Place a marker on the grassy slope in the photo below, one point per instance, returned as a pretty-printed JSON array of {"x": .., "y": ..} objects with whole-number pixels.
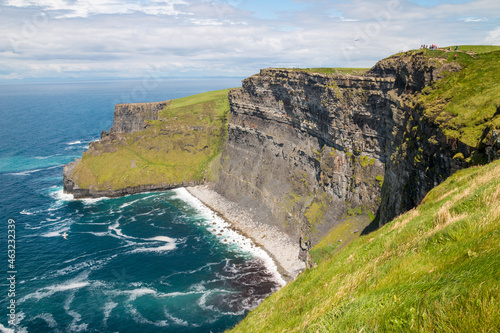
[
  {"x": 332, "y": 70},
  {"x": 464, "y": 103},
  {"x": 433, "y": 269},
  {"x": 178, "y": 147}
]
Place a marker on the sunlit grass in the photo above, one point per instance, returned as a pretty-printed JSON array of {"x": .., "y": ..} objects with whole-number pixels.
[
  {"x": 433, "y": 269},
  {"x": 176, "y": 148},
  {"x": 465, "y": 103}
]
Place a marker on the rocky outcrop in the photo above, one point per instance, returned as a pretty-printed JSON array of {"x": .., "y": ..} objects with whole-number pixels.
[
  {"x": 130, "y": 118},
  {"x": 307, "y": 151}
]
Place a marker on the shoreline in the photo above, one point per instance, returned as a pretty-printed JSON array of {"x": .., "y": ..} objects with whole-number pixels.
[{"x": 273, "y": 241}]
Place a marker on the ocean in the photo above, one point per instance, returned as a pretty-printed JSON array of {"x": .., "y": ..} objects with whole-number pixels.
[{"x": 150, "y": 262}]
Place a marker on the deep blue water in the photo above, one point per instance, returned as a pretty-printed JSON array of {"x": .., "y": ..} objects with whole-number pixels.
[{"x": 151, "y": 262}]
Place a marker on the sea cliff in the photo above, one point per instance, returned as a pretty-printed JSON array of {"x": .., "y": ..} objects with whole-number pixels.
[{"x": 306, "y": 151}]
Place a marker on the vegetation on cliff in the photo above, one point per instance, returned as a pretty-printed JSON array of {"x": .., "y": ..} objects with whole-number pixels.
[
  {"x": 433, "y": 269},
  {"x": 175, "y": 148},
  {"x": 467, "y": 102}
]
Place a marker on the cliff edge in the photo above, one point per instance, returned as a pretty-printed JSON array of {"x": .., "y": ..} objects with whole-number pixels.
[{"x": 309, "y": 151}]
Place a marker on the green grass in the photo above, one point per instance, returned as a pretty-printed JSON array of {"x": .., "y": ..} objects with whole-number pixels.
[
  {"x": 177, "y": 147},
  {"x": 333, "y": 70},
  {"x": 464, "y": 103},
  {"x": 434, "y": 269},
  {"x": 476, "y": 48}
]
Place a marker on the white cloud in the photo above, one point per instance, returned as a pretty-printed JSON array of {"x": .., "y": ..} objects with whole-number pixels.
[
  {"x": 474, "y": 19},
  {"x": 123, "y": 38},
  {"x": 85, "y": 8}
]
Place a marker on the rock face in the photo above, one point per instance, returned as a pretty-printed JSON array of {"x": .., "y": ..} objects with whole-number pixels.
[
  {"x": 306, "y": 151},
  {"x": 129, "y": 118}
]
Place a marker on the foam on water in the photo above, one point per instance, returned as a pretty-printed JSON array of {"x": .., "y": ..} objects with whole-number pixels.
[
  {"x": 224, "y": 232},
  {"x": 108, "y": 307},
  {"x": 133, "y": 294},
  {"x": 48, "y": 318},
  {"x": 51, "y": 290}
]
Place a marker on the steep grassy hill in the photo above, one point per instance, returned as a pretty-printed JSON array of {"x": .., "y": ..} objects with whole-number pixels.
[
  {"x": 433, "y": 269},
  {"x": 175, "y": 148}
]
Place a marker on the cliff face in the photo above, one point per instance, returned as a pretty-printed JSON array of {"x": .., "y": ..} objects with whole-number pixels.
[
  {"x": 129, "y": 118},
  {"x": 308, "y": 151}
]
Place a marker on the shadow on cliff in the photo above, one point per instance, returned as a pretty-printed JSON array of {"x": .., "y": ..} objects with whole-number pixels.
[{"x": 374, "y": 225}]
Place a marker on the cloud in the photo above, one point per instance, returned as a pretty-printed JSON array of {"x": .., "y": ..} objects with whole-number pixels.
[
  {"x": 111, "y": 38},
  {"x": 474, "y": 19}
]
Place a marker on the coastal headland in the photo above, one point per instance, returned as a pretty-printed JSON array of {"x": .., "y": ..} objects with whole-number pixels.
[
  {"x": 306, "y": 151},
  {"x": 366, "y": 181}
]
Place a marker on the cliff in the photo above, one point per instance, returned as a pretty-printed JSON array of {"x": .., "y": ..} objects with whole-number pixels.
[
  {"x": 130, "y": 118},
  {"x": 151, "y": 147},
  {"x": 307, "y": 151},
  {"x": 432, "y": 269}
]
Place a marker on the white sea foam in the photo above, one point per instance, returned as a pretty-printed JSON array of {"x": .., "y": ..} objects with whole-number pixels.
[
  {"x": 138, "y": 318},
  {"x": 55, "y": 233},
  {"x": 45, "y": 157},
  {"x": 226, "y": 235},
  {"x": 91, "y": 201},
  {"x": 51, "y": 290},
  {"x": 4, "y": 329},
  {"x": 108, "y": 307},
  {"x": 118, "y": 231},
  {"x": 74, "y": 143},
  {"x": 131, "y": 202},
  {"x": 170, "y": 245},
  {"x": 29, "y": 172},
  {"x": 162, "y": 239},
  {"x": 133, "y": 294},
  {"x": 177, "y": 321},
  {"x": 57, "y": 193}
]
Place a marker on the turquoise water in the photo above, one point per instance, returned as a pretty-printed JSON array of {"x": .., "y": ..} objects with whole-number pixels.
[{"x": 151, "y": 262}]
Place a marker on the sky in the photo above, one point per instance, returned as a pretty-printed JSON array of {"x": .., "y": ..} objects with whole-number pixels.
[{"x": 102, "y": 39}]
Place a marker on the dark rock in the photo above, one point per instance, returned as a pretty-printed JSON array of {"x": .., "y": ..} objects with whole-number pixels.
[{"x": 129, "y": 118}]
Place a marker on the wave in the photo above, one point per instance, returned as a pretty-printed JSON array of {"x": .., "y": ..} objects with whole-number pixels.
[
  {"x": 169, "y": 246},
  {"x": 131, "y": 202},
  {"x": 4, "y": 329},
  {"x": 57, "y": 233},
  {"x": 226, "y": 235},
  {"x": 45, "y": 157},
  {"x": 51, "y": 290},
  {"x": 74, "y": 143},
  {"x": 138, "y": 318},
  {"x": 57, "y": 193},
  {"x": 133, "y": 294},
  {"x": 108, "y": 307},
  {"x": 175, "y": 320},
  {"x": 29, "y": 172}
]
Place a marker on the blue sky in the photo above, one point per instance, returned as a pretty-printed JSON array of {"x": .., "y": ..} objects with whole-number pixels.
[{"x": 92, "y": 39}]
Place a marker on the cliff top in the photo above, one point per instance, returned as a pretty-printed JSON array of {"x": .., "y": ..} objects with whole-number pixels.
[
  {"x": 328, "y": 70},
  {"x": 172, "y": 148}
]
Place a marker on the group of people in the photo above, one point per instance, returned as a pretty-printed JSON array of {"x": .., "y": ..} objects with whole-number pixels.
[
  {"x": 430, "y": 47},
  {"x": 434, "y": 47}
]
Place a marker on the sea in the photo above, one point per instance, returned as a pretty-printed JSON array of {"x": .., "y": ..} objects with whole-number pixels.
[{"x": 149, "y": 262}]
